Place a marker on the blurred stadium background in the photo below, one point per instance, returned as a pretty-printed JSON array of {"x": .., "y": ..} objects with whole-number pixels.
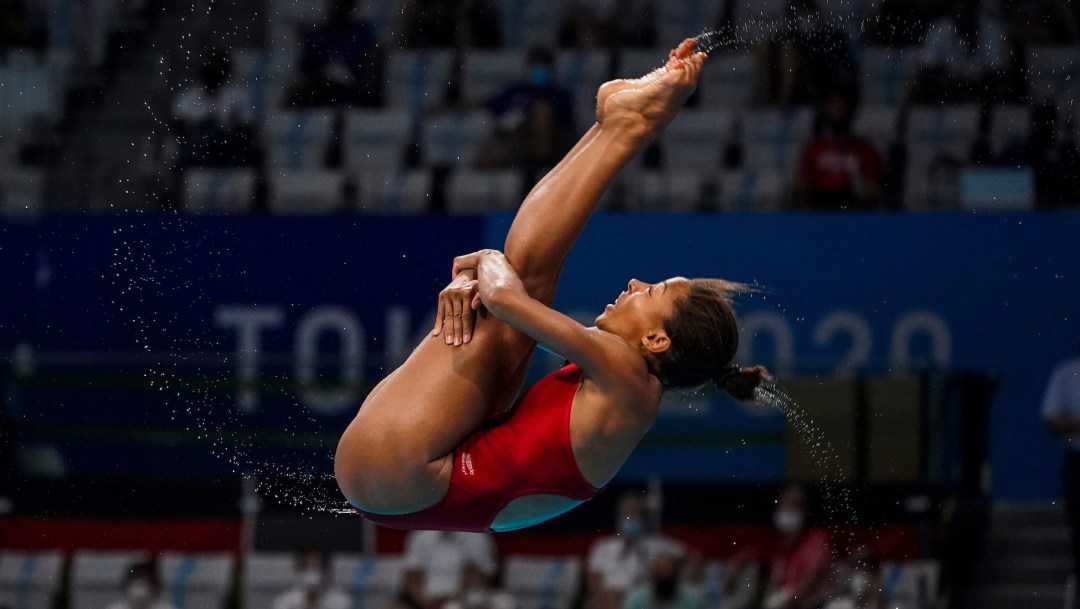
[{"x": 222, "y": 222}]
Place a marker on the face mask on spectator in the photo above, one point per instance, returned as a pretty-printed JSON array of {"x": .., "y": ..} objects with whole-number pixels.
[
  {"x": 311, "y": 579},
  {"x": 139, "y": 591},
  {"x": 629, "y": 527},
  {"x": 540, "y": 75},
  {"x": 788, "y": 520},
  {"x": 860, "y": 585}
]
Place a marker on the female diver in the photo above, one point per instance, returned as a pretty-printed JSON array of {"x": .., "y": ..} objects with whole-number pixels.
[{"x": 441, "y": 442}]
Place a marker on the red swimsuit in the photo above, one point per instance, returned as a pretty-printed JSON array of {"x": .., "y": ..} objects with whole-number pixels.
[{"x": 526, "y": 454}]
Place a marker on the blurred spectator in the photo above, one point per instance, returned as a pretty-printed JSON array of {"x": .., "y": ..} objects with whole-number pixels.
[
  {"x": 861, "y": 589},
  {"x": 815, "y": 58},
  {"x": 439, "y": 564},
  {"x": 142, "y": 589},
  {"x": 619, "y": 563},
  {"x": 451, "y": 23},
  {"x": 837, "y": 169},
  {"x": 1061, "y": 412},
  {"x": 533, "y": 118},
  {"x": 214, "y": 119},
  {"x": 1056, "y": 163},
  {"x": 311, "y": 590},
  {"x": 666, "y": 588},
  {"x": 798, "y": 559},
  {"x": 478, "y": 592},
  {"x": 964, "y": 58},
  {"x": 339, "y": 63},
  {"x": 1042, "y": 21},
  {"x": 608, "y": 23}
]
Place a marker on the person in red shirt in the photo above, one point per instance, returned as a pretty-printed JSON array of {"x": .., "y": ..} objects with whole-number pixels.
[
  {"x": 837, "y": 169},
  {"x": 798, "y": 558}
]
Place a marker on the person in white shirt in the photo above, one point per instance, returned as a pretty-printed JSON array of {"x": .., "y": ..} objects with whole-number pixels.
[
  {"x": 439, "y": 563},
  {"x": 311, "y": 589},
  {"x": 619, "y": 563},
  {"x": 1061, "y": 413},
  {"x": 142, "y": 589}
]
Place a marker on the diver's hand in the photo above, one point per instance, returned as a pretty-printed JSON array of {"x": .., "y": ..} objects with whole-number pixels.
[
  {"x": 499, "y": 282},
  {"x": 456, "y": 317}
]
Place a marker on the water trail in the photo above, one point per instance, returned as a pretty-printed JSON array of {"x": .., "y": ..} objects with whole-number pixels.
[{"x": 838, "y": 500}]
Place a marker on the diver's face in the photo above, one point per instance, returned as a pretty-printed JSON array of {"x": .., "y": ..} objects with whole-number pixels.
[{"x": 642, "y": 308}]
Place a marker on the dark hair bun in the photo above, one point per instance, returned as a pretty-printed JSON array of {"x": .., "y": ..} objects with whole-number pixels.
[{"x": 741, "y": 383}]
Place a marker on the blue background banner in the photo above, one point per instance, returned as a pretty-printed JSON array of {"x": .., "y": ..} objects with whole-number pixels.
[{"x": 142, "y": 326}]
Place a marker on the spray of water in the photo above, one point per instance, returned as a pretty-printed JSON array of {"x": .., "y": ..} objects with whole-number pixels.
[{"x": 838, "y": 499}]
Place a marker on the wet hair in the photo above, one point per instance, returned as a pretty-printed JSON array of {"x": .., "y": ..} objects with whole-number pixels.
[{"x": 704, "y": 338}]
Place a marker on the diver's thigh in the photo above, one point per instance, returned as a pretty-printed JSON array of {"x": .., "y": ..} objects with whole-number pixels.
[{"x": 424, "y": 410}]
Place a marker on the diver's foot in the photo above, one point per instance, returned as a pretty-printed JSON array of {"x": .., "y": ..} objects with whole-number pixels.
[{"x": 654, "y": 99}]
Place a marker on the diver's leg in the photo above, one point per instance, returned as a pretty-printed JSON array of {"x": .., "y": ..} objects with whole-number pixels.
[{"x": 555, "y": 211}]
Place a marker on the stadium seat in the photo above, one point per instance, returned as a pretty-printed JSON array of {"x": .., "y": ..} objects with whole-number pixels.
[
  {"x": 297, "y": 140},
  {"x": 26, "y": 95},
  {"x": 30, "y": 580},
  {"x": 947, "y": 129},
  {"x": 313, "y": 191},
  {"x": 675, "y": 190},
  {"x": 696, "y": 139},
  {"x": 266, "y": 575},
  {"x": 997, "y": 189},
  {"x": 454, "y": 138},
  {"x": 1009, "y": 126},
  {"x": 397, "y": 192},
  {"x": 417, "y": 80},
  {"x": 218, "y": 190},
  {"x": 1053, "y": 72},
  {"x": 371, "y": 582},
  {"x": 542, "y": 582},
  {"x": 474, "y": 192},
  {"x": 679, "y": 19},
  {"x": 886, "y": 74},
  {"x": 530, "y": 23},
  {"x": 913, "y": 584},
  {"x": 752, "y": 190},
  {"x": 97, "y": 577},
  {"x": 727, "y": 81},
  {"x": 196, "y": 581},
  {"x": 878, "y": 124},
  {"x": 772, "y": 140},
  {"x": 486, "y": 72},
  {"x": 263, "y": 76},
  {"x": 375, "y": 139},
  {"x": 21, "y": 191},
  {"x": 939, "y": 142},
  {"x": 582, "y": 72}
]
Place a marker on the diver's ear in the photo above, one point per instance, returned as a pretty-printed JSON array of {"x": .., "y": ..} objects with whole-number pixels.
[{"x": 656, "y": 341}]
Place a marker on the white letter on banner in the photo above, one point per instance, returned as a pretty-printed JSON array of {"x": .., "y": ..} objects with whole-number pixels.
[
  {"x": 861, "y": 339},
  {"x": 398, "y": 344},
  {"x": 783, "y": 345},
  {"x": 329, "y": 402},
  {"x": 249, "y": 321},
  {"x": 912, "y": 323}
]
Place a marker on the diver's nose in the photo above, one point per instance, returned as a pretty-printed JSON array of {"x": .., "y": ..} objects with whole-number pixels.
[{"x": 631, "y": 286}]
